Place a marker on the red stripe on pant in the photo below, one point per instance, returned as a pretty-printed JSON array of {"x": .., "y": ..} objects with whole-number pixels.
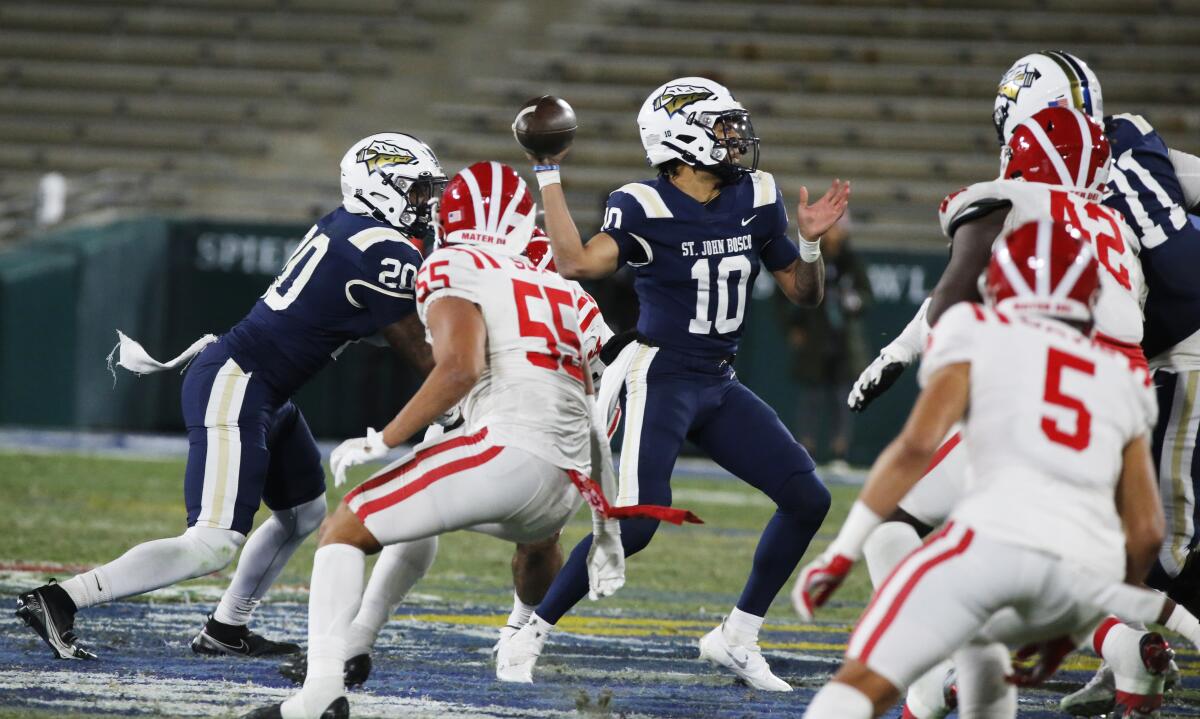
[
  {"x": 419, "y": 457},
  {"x": 942, "y": 451},
  {"x": 433, "y": 475},
  {"x": 907, "y": 589}
]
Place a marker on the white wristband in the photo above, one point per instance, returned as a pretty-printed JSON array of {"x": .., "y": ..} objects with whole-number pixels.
[
  {"x": 546, "y": 178},
  {"x": 858, "y": 526},
  {"x": 809, "y": 251}
]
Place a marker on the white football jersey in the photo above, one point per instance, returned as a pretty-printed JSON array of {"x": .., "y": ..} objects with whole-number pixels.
[
  {"x": 1050, "y": 414},
  {"x": 596, "y": 332},
  {"x": 1122, "y": 288},
  {"x": 531, "y": 394}
]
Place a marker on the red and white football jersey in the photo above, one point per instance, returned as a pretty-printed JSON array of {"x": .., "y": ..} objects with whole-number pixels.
[
  {"x": 1122, "y": 288},
  {"x": 531, "y": 394},
  {"x": 1051, "y": 412},
  {"x": 596, "y": 331}
]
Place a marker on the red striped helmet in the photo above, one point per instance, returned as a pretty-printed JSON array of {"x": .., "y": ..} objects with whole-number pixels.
[
  {"x": 539, "y": 252},
  {"x": 487, "y": 204},
  {"x": 1046, "y": 268},
  {"x": 1058, "y": 146}
]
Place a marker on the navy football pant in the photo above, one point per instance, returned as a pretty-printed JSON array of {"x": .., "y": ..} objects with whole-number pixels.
[
  {"x": 670, "y": 397},
  {"x": 247, "y": 445}
]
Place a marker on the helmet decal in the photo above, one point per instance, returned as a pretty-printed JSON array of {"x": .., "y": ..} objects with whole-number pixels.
[
  {"x": 1017, "y": 79},
  {"x": 674, "y": 98},
  {"x": 1081, "y": 94},
  {"x": 381, "y": 153}
]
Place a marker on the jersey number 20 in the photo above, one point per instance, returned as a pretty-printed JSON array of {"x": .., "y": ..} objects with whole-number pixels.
[{"x": 725, "y": 321}]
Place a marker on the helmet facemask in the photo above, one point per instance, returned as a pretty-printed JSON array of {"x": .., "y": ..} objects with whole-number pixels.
[{"x": 735, "y": 145}]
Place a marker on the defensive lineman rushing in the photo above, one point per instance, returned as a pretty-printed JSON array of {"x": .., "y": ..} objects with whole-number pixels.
[
  {"x": 1061, "y": 509},
  {"x": 506, "y": 343},
  {"x": 400, "y": 566},
  {"x": 351, "y": 278},
  {"x": 696, "y": 237},
  {"x": 1151, "y": 187}
]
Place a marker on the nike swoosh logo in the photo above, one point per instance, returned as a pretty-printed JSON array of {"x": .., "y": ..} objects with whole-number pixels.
[
  {"x": 740, "y": 663},
  {"x": 748, "y": 220}
]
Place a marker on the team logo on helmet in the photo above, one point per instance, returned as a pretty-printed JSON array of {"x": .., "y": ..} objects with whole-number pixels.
[
  {"x": 676, "y": 97},
  {"x": 1017, "y": 79},
  {"x": 381, "y": 153}
]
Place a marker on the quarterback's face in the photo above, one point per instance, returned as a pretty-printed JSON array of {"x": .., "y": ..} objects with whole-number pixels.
[{"x": 735, "y": 135}]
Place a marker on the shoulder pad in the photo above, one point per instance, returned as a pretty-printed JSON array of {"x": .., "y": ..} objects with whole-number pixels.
[
  {"x": 652, "y": 203},
  {"x": 975, "y": 201},
  {"x": 365, "y": 239},
  {"x": 764, "y": 188}
]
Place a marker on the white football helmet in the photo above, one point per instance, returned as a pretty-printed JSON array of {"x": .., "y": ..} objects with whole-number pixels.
[
  {"x": 392, "y": 177},
  {"x": 1045, "y": 79},
  {"x": 697, "y": 121}
]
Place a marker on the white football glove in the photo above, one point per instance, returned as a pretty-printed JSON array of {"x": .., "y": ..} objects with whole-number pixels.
[
  {"x": 356, "y": 451},
  {"x": 606, "y": 560},
  {"x": 890, "y": 364}
]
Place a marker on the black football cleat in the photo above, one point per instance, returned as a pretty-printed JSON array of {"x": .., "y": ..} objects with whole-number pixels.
[
  {"x": 358, "y": 668},
  {"x": 50, "y": 611},
  {"x": 217, "y": 639},
  {"x": 339, "y": 709}
]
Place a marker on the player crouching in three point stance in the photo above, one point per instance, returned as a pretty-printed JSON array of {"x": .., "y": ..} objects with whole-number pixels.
[
  {"x": 696, "y": 237},
  {"x": 350, "y": 279},
  {"x": 506, "y": 343},
  {"x": 1062, "y": 508}
]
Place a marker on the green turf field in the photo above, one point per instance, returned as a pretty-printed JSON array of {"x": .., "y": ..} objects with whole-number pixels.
[{"x": 87, "y": 510}]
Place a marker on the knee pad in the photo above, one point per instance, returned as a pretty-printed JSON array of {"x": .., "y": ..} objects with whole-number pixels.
[
  {"x": 303, "y": 519},
  {"x": 212, "y": 549},
  {"x": 982, "y": 689},
  {"x": 417, "y": 555},
  {"x": 840, "y": 701},
  {"x": 805, "y": 497},
  {"x": 886, "y": 546}
]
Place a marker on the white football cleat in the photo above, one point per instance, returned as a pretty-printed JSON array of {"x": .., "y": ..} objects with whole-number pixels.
[
  {"x": 506, "y": 633},
  {"x": 516, "y": 654},
  {"x": 746, "y": 661}
]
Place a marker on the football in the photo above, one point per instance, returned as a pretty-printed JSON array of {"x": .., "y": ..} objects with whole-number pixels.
[{"x": 545, "y": 126}]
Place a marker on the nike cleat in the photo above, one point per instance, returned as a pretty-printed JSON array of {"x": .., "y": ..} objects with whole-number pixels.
[
  {"x": 746, "y": 661},
  {"x": 517, "y": 654},
  {"x": 357, "y": 669},
  {"x": 338, "y": 709},
  {"x": 506, "y": 633},
  {"x": 218, "y": 639},
  {"x": 50, "y": 611}
]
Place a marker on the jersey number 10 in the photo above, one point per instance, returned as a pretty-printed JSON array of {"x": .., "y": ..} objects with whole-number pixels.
[{"x": 725, "y": 321}]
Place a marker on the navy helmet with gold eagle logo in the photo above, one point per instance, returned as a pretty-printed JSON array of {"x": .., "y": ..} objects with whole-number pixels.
[
  {"x": 394, "y": 178},
  {"x": 697, "y": 121}
]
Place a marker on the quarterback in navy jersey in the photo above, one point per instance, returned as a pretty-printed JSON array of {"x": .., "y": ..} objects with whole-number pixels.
[
  {"x": 696, "y": 236},
  {"x": 351, "y": 278}
]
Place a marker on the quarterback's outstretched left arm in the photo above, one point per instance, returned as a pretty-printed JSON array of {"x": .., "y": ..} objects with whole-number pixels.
[
  {"x": 803, "y": 281},
  {"x": 942, "y": 403}
]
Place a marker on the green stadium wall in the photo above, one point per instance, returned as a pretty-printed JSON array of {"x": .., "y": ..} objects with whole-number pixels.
[{"x": 167, "y": 282}]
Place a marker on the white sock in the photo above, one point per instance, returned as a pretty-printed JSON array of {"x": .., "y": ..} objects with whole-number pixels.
[
  {"x": 1184, "y": 622},
  {"x": 520, "y": 614},
  {"x": 982, "y": 691},
  {"x": 398, "y": 569},
  {"x": 540, "y": 624},
  {"x": 155, "y": 564},
  {"x": 266, "y": 553},
  {"x": 886, "y": 546},
  {"x": 1120, "y": 645},
  {"x": 334, "y": 595},
  {"x": 742, "y": 628},
  {"x": 840, "y": 701}
]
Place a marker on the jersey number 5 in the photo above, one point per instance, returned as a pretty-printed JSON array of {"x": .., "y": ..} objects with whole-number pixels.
[{"x": 1058, "y": 362}]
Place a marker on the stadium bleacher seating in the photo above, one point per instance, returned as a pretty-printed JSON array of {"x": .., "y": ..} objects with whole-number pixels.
[{"x": 239, "y": 108}]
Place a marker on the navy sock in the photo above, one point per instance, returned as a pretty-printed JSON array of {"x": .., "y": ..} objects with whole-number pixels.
[{"x": 571, "y": 584}]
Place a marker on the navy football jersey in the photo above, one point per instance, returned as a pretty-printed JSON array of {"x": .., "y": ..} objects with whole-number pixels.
[
  {"x": 350, "y": 277},
  {"x": 695, "y": 263},
  {"x": 1146, "y": 190}
]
